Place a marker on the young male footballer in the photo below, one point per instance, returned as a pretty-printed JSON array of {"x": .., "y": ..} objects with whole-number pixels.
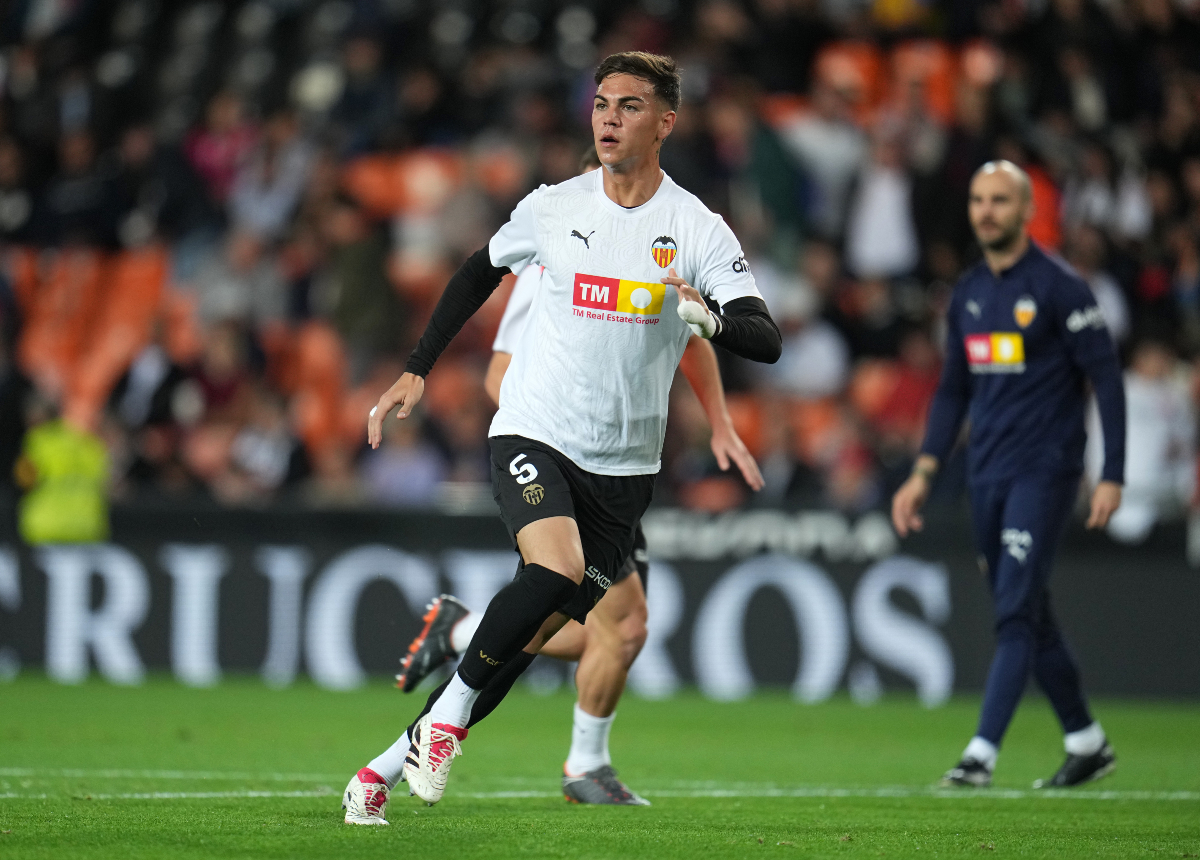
[
  {"x": 577, "y": 439},
  {"x": 1024, "y": 337},
  {"x": 607, "y": 645}
]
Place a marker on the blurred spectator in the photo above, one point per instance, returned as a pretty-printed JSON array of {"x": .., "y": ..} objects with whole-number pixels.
[
  {"x": 1085, "y": 251},
  {"x": 836, "y": 138},
  {"x": 816, "y": 360},
  {"x": 367, "y": 100},
  {"x": 158, "y": 195},
  {"x": 64, "y": 471},
  {"x": 218, "y": 149},
  {"x": 79, "y": 203},
  {"x": 881, "y": 237},
  {"x": 831, "y": 148},
  {"x": 263, "y": 454},
  {"x": 360, "y": 300},
  {"x": 268, "y": 186},
  {"x": 1160, "y": 467},
  {"x": 240, "y": 281},
  {"x": 16, "y": 200},
  {"x": 405, "y": 469}
]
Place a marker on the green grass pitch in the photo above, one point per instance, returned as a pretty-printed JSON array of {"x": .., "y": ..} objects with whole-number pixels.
[{"x": 96, "y": 771}]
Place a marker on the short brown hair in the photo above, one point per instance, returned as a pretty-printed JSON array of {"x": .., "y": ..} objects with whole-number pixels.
[{"x": 658, "y": 70}]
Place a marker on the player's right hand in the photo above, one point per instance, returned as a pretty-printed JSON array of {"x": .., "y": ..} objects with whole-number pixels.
[
  {"x": 406, "y": 394},
  {"x": 906, "y": 504},
  {"x": 728, "y": 447}
]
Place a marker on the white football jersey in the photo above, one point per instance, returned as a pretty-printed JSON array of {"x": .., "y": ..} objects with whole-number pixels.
[
  {"x": 592, "y": 367},
  {"x": 516, "y": 312}
]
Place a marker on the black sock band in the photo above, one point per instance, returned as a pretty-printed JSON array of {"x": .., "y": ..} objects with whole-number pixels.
[
  {"x": 493, "y": 694},
  {"x": 515, "y": 614}
]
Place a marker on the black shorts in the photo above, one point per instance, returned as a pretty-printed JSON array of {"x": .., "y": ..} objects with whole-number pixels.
[
  {"x": 532, "y": 481},
  {"x": 638, "y": 561}
]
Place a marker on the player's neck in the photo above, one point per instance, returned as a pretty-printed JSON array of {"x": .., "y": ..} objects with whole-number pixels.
[
  {"x": 631, "y": 185},
  {"x": 1004, "y": 259}
]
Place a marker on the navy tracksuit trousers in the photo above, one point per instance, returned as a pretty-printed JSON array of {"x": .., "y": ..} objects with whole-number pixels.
[{"x": 1018, "y": 524}]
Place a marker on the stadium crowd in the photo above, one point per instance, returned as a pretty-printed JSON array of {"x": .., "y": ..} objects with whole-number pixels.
[{"x": 224, "y": 225}]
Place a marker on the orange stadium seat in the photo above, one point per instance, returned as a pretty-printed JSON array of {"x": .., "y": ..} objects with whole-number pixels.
[
  {"x": 59, "y": 316},
  {"x": 813, "y": 423},
  {"x": 132, "y": 285},
  {"x": 320, "y": 372},
  {"x": 747, "y": 414},
  {"x": 1045, "y": 227},
  {"x": 22, "y": 267},
  {"x": 871, "y": 385},
  {"x": 387, "y": 184}
]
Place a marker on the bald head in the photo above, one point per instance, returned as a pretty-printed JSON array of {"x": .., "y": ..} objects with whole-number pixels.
[
  {"x": 1006, "y": 168},
  {"x": 1000, "y": 205}
]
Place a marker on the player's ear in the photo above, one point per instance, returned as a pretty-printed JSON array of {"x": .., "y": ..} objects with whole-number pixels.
[{"x": 666, "y": 125}]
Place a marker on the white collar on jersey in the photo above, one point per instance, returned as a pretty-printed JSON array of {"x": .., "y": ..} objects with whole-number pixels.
[{"x": 616, "y": 208}]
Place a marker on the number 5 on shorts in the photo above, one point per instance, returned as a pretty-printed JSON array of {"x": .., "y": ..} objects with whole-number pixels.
[{"x": 525, "y": 473}]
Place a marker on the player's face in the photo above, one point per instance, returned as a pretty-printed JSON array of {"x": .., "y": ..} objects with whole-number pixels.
[
  {"x": 998, "y": 209},
  {"x": 628, "y": 121}
]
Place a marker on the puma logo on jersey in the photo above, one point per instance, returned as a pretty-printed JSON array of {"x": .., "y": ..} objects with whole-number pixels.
[{"x": 577, "y": 235}]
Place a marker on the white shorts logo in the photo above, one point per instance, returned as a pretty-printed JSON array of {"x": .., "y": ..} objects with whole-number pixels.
[
  {"x": 1018, "y": 543},
  {"x": 525, "y": 473},
  {"x": 599, "y": 578}
]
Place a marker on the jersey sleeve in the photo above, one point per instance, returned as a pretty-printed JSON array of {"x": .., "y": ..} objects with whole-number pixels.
[
  {"x": 514, "y": 246},
  {"x": 949, "y": 405},
  {"x": 1081, "y": 326},
  {"x": 516, "y": 312},
  {"x": 722, "y": 273}
]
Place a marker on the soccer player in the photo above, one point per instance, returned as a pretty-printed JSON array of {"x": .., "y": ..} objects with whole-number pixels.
[
  {"x": 616, "y": 629},
  {"x": 1024, "y": 336},
  {"x": 578, "y": 437}
]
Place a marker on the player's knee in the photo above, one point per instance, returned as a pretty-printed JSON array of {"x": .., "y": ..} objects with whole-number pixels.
[
  {"x": 1015, "y": 626},
  {"x": 632, "y": 633}
]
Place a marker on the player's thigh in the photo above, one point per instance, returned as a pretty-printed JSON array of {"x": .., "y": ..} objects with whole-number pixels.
[
  {"x": 1035, "y": 514},
  {"x": 536, "y": 504},
  {"x": 987, "y": 521},
  {"x": 554, "y": 543},
  {"x": 607, "y": 512}
]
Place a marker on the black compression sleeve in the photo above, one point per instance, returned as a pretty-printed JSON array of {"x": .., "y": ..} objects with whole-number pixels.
[
  {"x": 745, "y": 328},
  {"x": 469, "y": 288}
]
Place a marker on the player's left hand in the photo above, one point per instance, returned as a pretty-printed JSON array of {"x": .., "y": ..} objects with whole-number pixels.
[
  {"x": 1106, "y": 498},
  {"x": 405, "y": 393},
  {"x": 692, "y": 309},
  {"x": 727, "y": 446}
]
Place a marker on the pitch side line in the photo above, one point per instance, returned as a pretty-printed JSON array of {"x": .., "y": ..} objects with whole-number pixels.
[
  {"x": 79, "y": 773},
  {"x": 175, "y": 795},
  {"x": 677, "y": 789}
]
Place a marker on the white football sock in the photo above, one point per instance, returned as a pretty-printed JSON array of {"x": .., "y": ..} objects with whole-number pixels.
[
  {"x": 454, "y": 704},
  {"x": 1085, "y": 741},
  {"x": 589, "y": 742},
  {"x": 983, "y": 751},
  {"x": 390, "y": 763},
  {"x": 463, "y": 630}
]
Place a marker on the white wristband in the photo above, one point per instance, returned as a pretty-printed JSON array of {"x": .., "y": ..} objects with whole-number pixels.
[{"x": 698, "y": 317}]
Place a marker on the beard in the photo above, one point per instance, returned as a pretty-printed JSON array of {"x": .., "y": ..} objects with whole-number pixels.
[{"x": 1007, "y": 238}]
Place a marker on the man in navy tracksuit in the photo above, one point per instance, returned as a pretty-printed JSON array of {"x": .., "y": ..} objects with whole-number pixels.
[{"x": 1024, "y": 336}]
